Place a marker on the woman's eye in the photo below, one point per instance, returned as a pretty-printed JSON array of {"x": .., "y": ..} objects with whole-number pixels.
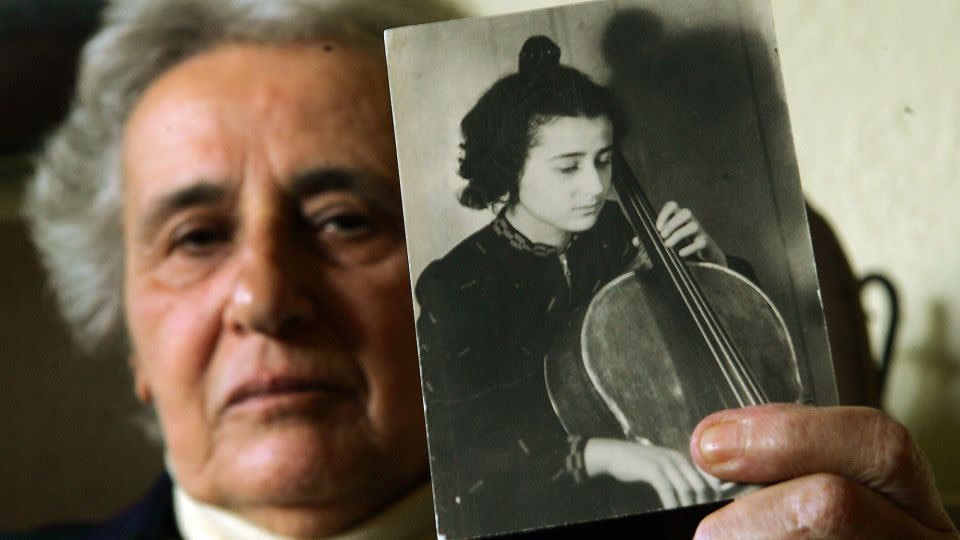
[
  {"x": 350, "y": 225},
  {"x": 570, "y": 169},
  {"x": 200, "y": 241},
  {"x": 604, "y": 160}
]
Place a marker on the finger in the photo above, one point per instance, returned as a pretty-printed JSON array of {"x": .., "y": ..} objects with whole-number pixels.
[
  {"x": 678, "y": 219},
  {"x": 700, "y": 242},
  {"x": 685, "y": 494},
  {"x": 773, "y": 443},
  {"x": 697, "y": 484},
  {"x": 668, "y": 497},
  {"x": 665, "y": 213},
  {"x": 681, "y": 234},
  {"x": 715, "y": 483},
  {"x": 635, "y": 241},
  {"x": 819, "y": 506}
]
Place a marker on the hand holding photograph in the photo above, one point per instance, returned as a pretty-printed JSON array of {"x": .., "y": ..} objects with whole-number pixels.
[{"x": 608, "y": 242}]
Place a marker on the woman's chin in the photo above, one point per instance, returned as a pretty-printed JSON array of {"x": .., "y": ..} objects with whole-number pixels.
[
  {"x": 296, "y": 464},
  {"x": 582, "y": 223}
]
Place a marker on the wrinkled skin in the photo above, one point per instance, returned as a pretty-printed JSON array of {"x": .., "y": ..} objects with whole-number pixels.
[
  {"x": 836, "y": 473},
  {"x": 267, "y": 291}
]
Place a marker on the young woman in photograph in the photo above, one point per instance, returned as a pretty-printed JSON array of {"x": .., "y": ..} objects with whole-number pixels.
[{"x": 538, "y": 149}]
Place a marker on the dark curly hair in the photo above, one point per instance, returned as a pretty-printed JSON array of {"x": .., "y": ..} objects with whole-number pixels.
[{"x": 500, "y": 129}]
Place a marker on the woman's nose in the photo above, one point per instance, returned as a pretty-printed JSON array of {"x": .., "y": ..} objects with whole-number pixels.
[
  {"x": 267, "y": 296},
  {"x": 592, "y": 182}
]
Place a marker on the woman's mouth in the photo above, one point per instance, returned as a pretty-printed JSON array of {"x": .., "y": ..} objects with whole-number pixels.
[
  {"x": 277, "y": 395},
  {"x": 589, "y": 208}
]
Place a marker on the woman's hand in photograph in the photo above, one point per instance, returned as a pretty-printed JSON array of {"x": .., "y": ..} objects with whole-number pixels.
[
  {"x": 680, "y": 229},
  {"x": 670, "y": 473},
  {"x": 831, "y": 472}
]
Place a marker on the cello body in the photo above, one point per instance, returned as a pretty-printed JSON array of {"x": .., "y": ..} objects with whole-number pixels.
[
  {"x": 632, "y": 364},
  {"x": 657, "y": 350}
]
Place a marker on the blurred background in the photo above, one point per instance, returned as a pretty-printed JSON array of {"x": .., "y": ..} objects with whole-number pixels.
[{"x": 873, "y": 89}]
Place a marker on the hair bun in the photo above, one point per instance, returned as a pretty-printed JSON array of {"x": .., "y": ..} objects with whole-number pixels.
[{"x": 539, "y": 54}]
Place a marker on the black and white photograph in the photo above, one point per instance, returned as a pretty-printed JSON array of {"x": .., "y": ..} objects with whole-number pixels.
[{"x": 607, "y": 241}]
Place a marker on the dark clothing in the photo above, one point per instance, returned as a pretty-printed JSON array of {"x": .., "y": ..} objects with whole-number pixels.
[
  {"x": 490, "y": 310},
  {"x": 151, "y": 518}
]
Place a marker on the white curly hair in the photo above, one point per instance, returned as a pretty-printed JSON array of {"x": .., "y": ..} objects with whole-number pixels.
[{"x": 73, "y": 202}]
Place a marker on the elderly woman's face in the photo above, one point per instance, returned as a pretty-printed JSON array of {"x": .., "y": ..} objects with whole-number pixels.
[{"x": 267, "y": 292}]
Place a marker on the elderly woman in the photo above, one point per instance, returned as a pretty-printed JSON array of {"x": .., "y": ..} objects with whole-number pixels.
[{"x": 223, "y": 196}]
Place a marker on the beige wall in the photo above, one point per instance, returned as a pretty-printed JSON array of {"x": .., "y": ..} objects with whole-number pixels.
[
  {"x": 873, "y": 88},
  {"x": 874, "y": 92}
]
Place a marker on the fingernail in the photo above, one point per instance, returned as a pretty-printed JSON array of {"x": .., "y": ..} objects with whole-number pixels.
[{"x": 721, "y": 443}]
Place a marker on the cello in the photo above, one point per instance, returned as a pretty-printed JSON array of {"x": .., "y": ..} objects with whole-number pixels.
[{"x": 658, "y": 349}]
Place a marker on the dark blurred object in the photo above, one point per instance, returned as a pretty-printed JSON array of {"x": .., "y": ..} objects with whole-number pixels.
[
  {"x": 40, "y": 42},
  {"x": 858, "y": 379},
  {"x": 71, "y": 449},
  {"x": 885, "y": 357}
]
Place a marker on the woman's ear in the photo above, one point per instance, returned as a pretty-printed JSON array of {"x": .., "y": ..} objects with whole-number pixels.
[{"x": 140, "y": 386}]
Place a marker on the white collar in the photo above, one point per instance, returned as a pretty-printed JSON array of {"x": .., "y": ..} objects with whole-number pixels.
[{"x": 409, "y": 519}]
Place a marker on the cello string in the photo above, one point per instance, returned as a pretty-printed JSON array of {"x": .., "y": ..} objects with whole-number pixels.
[
  {"x": 713, "y": 333},
  {"x": 743, "y": 373},
  {"x": 697, "y": 312},
  {"x": 682, "y": 284},
  {"x": 646, "y": 226},
  {"x": 731, "y": 353}
]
